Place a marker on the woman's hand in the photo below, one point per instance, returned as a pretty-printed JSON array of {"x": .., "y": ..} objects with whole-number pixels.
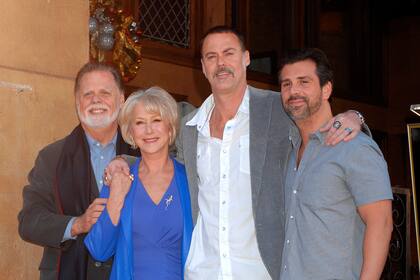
[
  {"x": 119, "y": 187},
  {"x": 120, "y": 184},
  {"x": 118, "y": 164}
]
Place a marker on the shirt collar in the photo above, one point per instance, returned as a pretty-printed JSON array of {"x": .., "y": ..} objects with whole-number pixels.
[
  {"x": 204, "y": 112},
  {"x": 295, "y": 139},
  {"x": 244, "y": 107},
  {"x": 93, "y": 143},
  {"x": 294, "y": 136}
]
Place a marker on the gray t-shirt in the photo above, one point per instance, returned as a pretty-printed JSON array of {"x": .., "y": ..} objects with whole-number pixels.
[{"x": 324, "y": 232}]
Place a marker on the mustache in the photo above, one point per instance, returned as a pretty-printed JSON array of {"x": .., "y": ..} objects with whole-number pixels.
[
  {"x": 297, "y": 97},
  {"x": 97, "y": 107},
  {"x": 223, "y": 69}
]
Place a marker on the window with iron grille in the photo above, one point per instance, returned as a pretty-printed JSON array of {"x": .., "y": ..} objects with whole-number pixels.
[{"x": 166, "y": 21}]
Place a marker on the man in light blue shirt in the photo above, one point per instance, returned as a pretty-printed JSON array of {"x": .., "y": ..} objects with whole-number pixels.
[
  {"x": 338, "y": 198},
  {"x": 100, "y": 156}
]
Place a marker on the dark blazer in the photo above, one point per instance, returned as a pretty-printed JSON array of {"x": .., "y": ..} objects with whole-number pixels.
[
  {"x": 39, "y": 221},
  {"x": 269, "y": 128}
]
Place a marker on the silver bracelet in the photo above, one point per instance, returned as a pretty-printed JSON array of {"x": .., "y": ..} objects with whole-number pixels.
[{"x": 359, "y": 115}]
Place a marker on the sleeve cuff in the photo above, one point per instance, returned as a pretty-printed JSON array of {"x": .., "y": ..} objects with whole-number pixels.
[{"x": 67, "y": 232}]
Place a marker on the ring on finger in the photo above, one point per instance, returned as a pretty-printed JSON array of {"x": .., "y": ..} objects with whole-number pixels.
[
  {"x": 107, "y": 178},
  {"x": 337, "y": 124},
  {"x": 131, "y": 176},
  {"x": 348, "y": 130}
]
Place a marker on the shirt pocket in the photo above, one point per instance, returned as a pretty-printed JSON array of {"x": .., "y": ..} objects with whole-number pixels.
[
  {"x": 244, "y": 164},
  {"x": 324, "y": 187}
]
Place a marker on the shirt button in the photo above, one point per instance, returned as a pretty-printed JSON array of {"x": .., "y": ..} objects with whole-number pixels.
[
  {"x": 101, "y": 182},
  {"x": 287, "y": 241},
  {"x": 294, "y": 169},
  {"x": 224, "y": 176},
  {"x": 102, "y": 157},
  {"x": 223, "y": 228},
  {"x": 285, "y": 267},
  {"x": 224, "y": 255},
  {"x": 291, "y": 217},
  {"x": 224, "y": 151},
  {"x": 294, "y": 191},
  {"x": 97, "y": 144},
  {"x": 228, "y": 127},
  {"x": 223, "y": 202}
]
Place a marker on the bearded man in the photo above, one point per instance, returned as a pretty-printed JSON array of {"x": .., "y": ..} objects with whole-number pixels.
[
  {"x": 60, "y": 203},
  {"x": 338, "y": 198}
]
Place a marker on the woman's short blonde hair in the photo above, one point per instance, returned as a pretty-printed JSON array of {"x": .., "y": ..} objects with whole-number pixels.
[{"x": 154, "y": 100}]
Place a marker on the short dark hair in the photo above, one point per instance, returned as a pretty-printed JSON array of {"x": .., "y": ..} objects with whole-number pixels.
[
  {"x": 101, "y": 67},
  {"x": 223, "y": 29},
  {"x": 323, "y": 67}
]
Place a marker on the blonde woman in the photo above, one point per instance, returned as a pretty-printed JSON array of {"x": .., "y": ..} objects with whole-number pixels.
[{"x": 146, "y": 224}]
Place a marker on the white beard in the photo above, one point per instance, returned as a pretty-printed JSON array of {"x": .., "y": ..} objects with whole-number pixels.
[{"x": 97, "y": 121}]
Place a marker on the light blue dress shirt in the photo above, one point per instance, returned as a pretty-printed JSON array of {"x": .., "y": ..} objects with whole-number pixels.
[
  {"x": 324, "y": 232},
  {"x": 100, "y": 156}
]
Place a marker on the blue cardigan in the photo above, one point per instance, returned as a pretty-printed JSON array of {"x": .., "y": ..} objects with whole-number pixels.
[{"x": 106, "y": 240}]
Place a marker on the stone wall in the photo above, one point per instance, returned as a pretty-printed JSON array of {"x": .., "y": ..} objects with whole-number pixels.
[{"x": 44, "y": 43}]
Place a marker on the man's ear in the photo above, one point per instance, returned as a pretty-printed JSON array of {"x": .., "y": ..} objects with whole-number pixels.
[
  {"x": 327, "y": 90},
  {"x": 247, "y": 58}
]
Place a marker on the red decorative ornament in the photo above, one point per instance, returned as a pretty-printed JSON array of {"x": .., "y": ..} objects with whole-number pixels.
[{"x": 114, "y": 37}]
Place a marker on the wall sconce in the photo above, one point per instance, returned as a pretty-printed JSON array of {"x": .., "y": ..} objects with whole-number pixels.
[{"x": 415, "y": 108}]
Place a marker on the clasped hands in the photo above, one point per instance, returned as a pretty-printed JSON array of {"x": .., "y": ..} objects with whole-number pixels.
[{"x": 119, "y": 183}]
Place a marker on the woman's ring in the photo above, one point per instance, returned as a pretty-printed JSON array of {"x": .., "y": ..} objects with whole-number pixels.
[
  {"x": 337, "y": 124},
  {"x": 107, "y": 178}
]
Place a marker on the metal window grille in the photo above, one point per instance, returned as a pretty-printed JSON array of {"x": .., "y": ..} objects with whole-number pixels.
[{"x": 166, "y": 21}]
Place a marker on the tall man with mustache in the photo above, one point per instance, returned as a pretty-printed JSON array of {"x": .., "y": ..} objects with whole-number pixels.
[{"x": 60, "y": 202}]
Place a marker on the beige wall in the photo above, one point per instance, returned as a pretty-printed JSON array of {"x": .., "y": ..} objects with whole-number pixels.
[{"x": 44, "y": 42}]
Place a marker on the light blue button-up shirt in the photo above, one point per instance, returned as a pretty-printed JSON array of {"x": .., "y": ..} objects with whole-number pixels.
[
  {"x": 324, "y": 232},
  {"x": 100, "y": 156}
]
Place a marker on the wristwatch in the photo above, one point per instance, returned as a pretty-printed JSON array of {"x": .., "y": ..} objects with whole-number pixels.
[{"x": 360, "y": 116}]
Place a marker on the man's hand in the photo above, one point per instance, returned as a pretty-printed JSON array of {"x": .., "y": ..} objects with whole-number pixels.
[
  {"x": 343, "y": 127},
  {"x": 118, "y": 164},
  {"x": 83, "y": 223}
]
